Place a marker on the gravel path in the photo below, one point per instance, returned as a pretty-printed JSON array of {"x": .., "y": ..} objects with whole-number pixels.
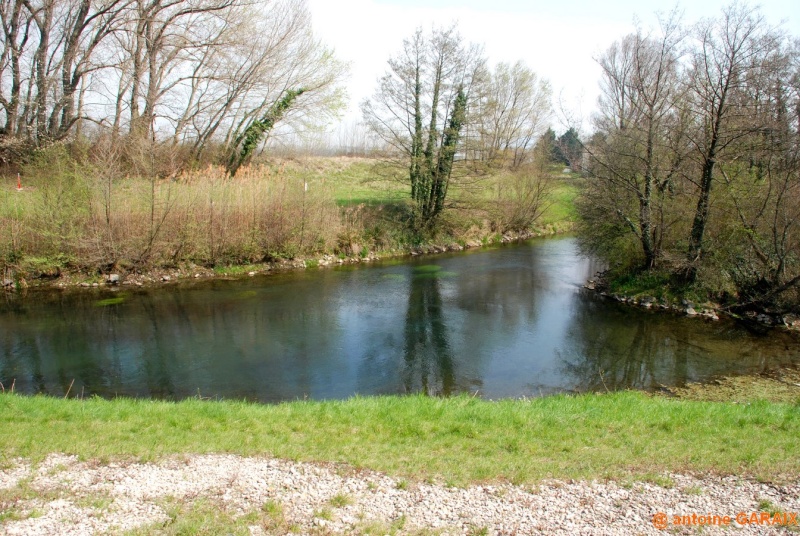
[{"x": 67, "y": 497}]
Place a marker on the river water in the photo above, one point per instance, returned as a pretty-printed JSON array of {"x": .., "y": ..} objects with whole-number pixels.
[{"x": 506, "y": 322}]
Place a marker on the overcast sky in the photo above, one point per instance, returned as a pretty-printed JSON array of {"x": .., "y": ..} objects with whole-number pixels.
[{"x": 558, "y": 39}]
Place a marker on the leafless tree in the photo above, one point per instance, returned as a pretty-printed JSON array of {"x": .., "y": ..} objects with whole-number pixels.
[
  {"x": 642, "y": 145},
  {"x": 761, "y": 185},
  {"x": 189, "y": 71},
  {"x": 702, "y": 152},
  {"x": 421, "y": 109},
  {"x": 49, "y": 50},
  {"x": 725, "y": 61},
  {"x": 513, "y": 113}
]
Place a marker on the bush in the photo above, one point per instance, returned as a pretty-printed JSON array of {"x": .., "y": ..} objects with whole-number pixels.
[{"x": 522, "y": 198}]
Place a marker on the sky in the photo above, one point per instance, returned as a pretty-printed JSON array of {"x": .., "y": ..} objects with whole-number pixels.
[{"x": 557, "y": 39}]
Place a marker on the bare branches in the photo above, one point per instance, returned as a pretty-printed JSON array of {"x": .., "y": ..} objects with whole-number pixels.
[
  {"x": 696, "y": 156},
  {"x": 633, "y": 153},
  {"x": 422, "y": 108},
  {"x": 514, "y": 111},
  {"x": 187, "y": 70}
]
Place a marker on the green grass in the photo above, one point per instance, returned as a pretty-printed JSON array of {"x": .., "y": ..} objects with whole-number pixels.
[
  {"x": 658, "y": 284},
  {"x": 235, "y": 269},
  {"x": 364, "y": 181},
  {"x": 459, "y": 440},
  {"x": 354, "y": 181},
  {"x": 651, "y": 283},
  {"x": 340, "y": 500},
  {"x": 562, "y": 210}
]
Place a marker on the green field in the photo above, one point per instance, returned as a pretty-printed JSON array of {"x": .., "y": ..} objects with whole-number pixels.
[
  {"x": 456, "y": 440},
  {"x": 353, "y": 181},
  {"x": 357, "y": 181}
]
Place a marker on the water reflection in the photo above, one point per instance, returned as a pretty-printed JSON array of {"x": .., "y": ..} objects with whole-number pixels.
[
  {"x": 429, "y": 366},
  {"x": 608, "y": 348},
  {"x": 504, "y": 323}
]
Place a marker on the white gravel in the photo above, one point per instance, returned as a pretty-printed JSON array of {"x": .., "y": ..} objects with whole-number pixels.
[{"x": 67, "y": 497}]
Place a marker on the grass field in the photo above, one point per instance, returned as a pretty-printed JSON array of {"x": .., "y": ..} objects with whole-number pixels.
[
  {"x": 562, "y": 199},
  {"x": 370, "y": 181},
  {"x": 352, "y": 181},
  {"x": 456, "y": 440}
]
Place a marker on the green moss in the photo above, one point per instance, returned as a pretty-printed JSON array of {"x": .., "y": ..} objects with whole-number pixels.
[
  {"x": 235, "y": 269},
  {"x": 110, "y": 301},
  {"x": 426, "y": 269}
]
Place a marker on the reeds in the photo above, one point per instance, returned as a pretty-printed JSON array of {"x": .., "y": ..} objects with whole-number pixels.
[{"x": 88, "y": 218}]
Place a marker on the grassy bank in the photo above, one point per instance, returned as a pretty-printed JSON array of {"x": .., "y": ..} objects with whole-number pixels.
[
  {"x": 456, "y": 440},
  {"x": 81, "y": 219}
]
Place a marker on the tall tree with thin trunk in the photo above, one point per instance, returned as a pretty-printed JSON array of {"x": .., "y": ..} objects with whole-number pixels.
[
  {"x": 725, "y": 58},
  {"x": 641, "y": 149},
  {"x": 420, "y": 110}
]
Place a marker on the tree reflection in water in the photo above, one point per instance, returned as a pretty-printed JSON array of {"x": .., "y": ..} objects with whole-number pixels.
[
  {"x": 428, "y": 363},
  {"x": 503, "y": 323},
  {"x": 614, "y": 347}
]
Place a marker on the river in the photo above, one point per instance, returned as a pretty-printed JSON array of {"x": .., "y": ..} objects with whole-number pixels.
[{"x": 511, "y": 321}]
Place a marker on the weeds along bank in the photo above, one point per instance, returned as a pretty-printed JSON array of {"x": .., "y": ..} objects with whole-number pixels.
[{"x": 73, "y": 216}]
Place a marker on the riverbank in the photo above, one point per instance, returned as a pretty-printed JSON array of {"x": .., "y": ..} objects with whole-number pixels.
[
  {"x": 459, "y": 439},
  {"x": 654, "y": 297},
  {"x": 75, "y": 226},
  {"x": 392, "y": 465},
  {"x": 67, "y": 278}
]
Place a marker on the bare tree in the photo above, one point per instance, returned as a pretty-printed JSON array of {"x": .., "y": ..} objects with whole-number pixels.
[
  {"x": 162, "y": 38},
  {"x": 724, "y": 63},
  {"x": 642, "y": 146},
  {"x": 53, "y": 45},
  {"x": 86, "y": 27},
  {"x": 719, "y": 130},
  {"x": 761, "y": 186},
  {"x": 191, "y": 71},
  {"x": 290, "y": 59},
  {"x": 16, "y": 34},
  {"x": 421, "y": 108},
  {"x": 513, "y": 112}
]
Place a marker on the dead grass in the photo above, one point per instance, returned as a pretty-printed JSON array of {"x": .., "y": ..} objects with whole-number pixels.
[
  {"x": 200, "y": 217},
  {"x": 780, "y": 386},
  {"x": 91, "y": 217}
]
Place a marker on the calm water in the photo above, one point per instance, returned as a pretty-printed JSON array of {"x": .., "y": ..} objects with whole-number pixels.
[{"x": 507, "y": 322}]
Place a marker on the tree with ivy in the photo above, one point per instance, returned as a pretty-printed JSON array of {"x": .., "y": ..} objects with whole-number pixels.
[
  {"x": 420, "y": 110},
  {"x": 245, "y": 144}
]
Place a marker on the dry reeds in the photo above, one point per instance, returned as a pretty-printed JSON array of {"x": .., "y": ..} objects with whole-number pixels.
[{"x": 92, "y": 218}]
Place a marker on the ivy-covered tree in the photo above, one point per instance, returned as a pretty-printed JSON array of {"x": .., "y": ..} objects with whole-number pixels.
[
  {"x": 421, "y": 109},
  {"x": 245, "y": 143}
]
